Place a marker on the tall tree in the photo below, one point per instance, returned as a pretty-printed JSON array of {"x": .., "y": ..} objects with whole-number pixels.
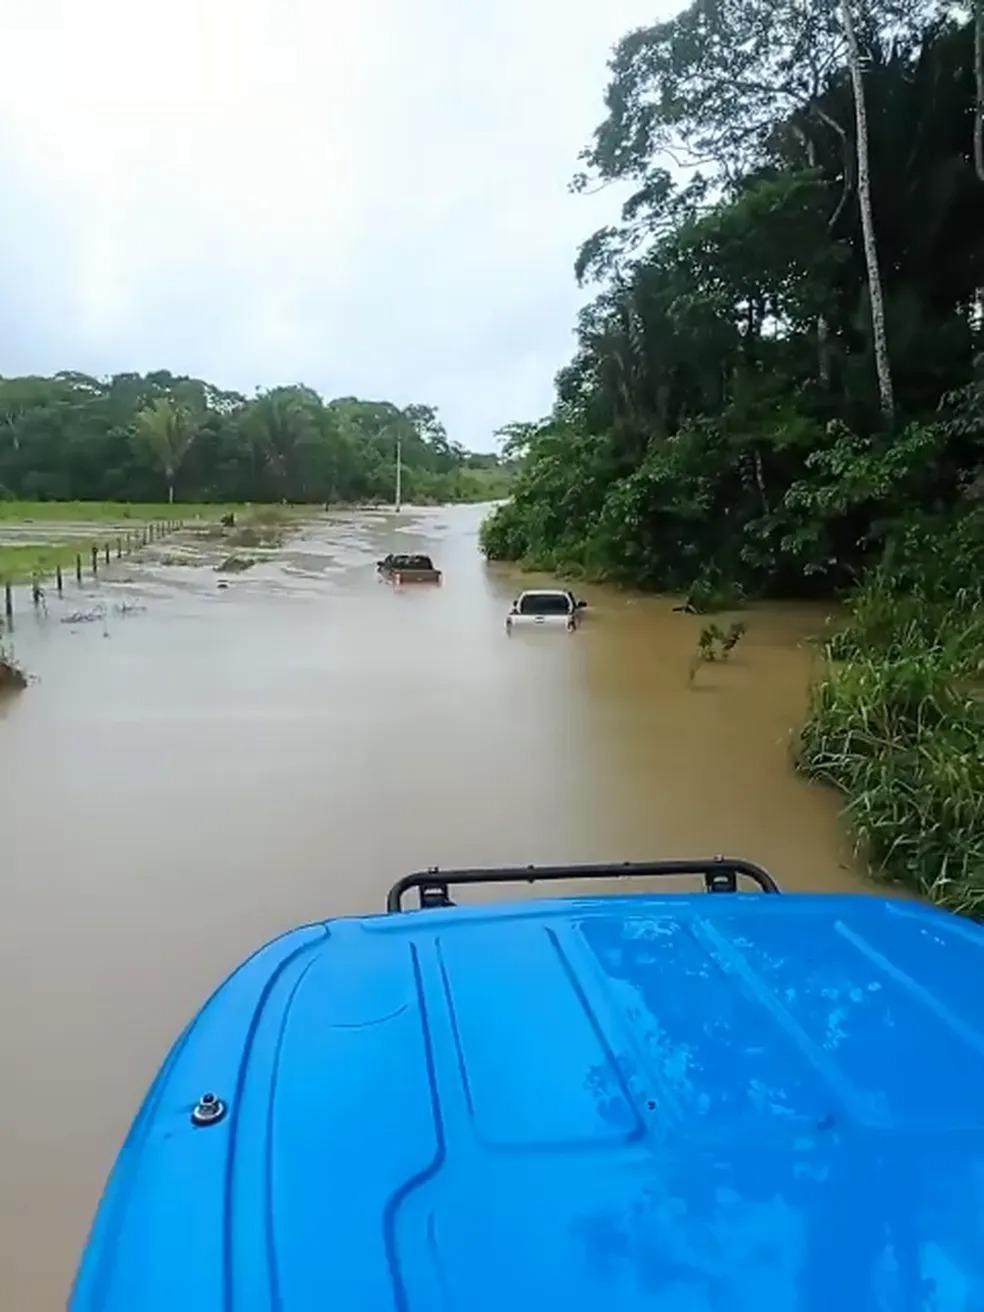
[
  {"x": 878, "y": 335},
  {"x": 167, "y": 430},
  {"x": 979, "y": 88},
  {"x": 718, "y": 85},
  {"x": 278, "y": 422}
]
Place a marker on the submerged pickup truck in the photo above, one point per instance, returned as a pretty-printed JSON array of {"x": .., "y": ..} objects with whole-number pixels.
[
  {"x": 408, "y": 569},
  {"x": 550, "y": 606}
]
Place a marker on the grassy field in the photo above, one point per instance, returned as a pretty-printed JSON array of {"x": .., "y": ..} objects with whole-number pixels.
[
  {"x": 38, "y": 536},
  {"x": 21, "y": 563},
  {"x": 78, "y": 512}
]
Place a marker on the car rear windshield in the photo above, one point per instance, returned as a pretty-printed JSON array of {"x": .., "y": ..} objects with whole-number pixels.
[
  {"x": 545, "y": 603},
  {"x": 411, "y": 562}
]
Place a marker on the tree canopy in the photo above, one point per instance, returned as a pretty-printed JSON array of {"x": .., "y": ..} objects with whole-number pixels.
[
  {"x": 141, "y": 437},
  {"x": 725, "y": 372}
]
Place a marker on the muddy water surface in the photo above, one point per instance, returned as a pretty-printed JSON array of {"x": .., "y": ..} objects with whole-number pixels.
[{"x": 186, "y": 780}]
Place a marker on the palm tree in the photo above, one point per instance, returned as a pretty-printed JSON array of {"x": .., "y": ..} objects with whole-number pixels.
[
  {"x": 167, "y": 430},
  {"x": 878, "y": 334},
  {"x": 278, "y": 421}
]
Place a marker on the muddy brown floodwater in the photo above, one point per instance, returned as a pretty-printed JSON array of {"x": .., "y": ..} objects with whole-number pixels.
[{"x": 186, "y": 780}]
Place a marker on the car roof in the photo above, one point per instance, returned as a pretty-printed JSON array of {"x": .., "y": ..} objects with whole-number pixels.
[
  {"x": 619, "y": 1103},
  {"x": 545, "y": 592}
]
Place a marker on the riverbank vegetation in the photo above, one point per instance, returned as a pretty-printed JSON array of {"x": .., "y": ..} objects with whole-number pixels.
[
  {"x": 144, "y": 438},
  {"x": 779, "y": 386},
  {"x": 897, "y": 718}
]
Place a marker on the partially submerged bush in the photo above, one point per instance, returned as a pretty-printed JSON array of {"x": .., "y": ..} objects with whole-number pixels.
[
  {"x": 716, "y": 644},
  {"x": 260, "y": 536},
  {"x": 268, "y": 514},
  {"x": 235, "y": 565}
]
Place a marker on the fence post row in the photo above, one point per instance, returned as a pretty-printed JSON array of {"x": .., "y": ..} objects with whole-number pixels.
[{"x": 126, "y": 543}]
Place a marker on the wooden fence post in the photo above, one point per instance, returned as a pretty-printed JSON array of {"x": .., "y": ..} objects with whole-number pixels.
[
  {"x": 107, "y": 553},
  {"x": 78, "y": 567},
  {"x": 119, "y": 548},
  {"x": 95, "y": 560},
  {"x": 8, "y": 601},
  {"x": 58, "y": 579}
]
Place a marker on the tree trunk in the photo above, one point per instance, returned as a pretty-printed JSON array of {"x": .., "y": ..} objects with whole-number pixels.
[
  {"x": 170, "y": 488},
  {"x": 879, "y": 339},
  {"x": 750, "y": 331},
  {"x": 979, "y": 85},
  {"x": 823, "y": 349},
  {"x": 760, "y": 478},
  {"x": 823, "y": 327}
]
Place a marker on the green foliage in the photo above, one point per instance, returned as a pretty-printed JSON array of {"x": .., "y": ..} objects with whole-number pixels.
[
  {"x": 72, "y": 437},
  {"x": 555, "y": 502},
  {"x": 710, "y": 592},
  {"x": 717, "y": 644},
  {"x": 167, "y": 429},
  {"x": 719, "y": 431},
  {"x": 720, "y": 419},
  {"x": 897, "y": 720}
]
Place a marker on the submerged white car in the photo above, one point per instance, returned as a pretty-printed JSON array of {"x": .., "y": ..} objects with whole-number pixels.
[{"x": 545, "y": 606}]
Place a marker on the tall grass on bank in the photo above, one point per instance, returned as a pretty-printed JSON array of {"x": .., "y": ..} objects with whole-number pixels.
[{"x": 897, "y": 723}]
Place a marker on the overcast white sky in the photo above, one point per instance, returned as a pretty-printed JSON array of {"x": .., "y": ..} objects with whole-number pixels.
[{"x": 369, "y": 196}]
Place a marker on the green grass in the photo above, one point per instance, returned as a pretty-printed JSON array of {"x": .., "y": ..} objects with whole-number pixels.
[
  {"x": 897, "y": 724},
  {"x": 20, "y": 564},
  {"x": 60, "y": 523},
  {"x": 113, "y": 511}
]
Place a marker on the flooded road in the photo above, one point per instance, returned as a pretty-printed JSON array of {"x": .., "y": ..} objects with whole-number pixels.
[{"x": 187, "y": 780}]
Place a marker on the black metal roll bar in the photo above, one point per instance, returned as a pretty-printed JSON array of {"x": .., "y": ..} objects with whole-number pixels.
[{"x": 721, "y": 875}]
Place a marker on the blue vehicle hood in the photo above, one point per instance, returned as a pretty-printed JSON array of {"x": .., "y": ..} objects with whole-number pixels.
[{"x": 690, "y": 1103}]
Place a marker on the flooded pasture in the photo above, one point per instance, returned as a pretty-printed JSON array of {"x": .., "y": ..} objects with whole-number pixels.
[{"x": 197, "y": 767}]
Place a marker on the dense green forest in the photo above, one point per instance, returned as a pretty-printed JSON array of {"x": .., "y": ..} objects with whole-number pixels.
[
  {"x": 150, "y": 437},
  {"x": 779, "y": 386}
]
